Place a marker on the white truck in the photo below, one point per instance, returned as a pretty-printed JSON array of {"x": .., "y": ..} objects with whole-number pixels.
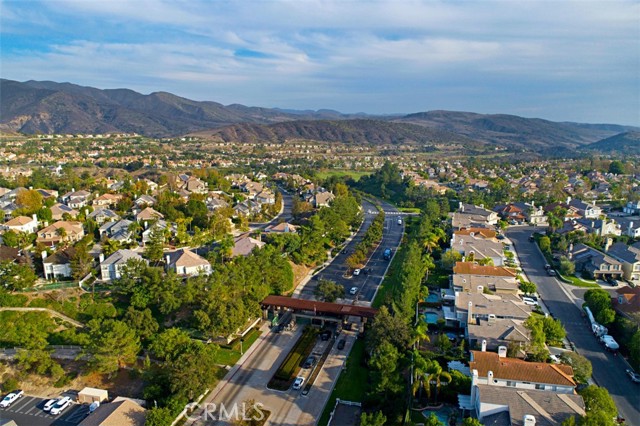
[{"x": 597, "y": 329}]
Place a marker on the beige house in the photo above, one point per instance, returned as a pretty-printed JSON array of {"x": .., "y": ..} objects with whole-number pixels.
[
  {"x": 117, "y": 413},
  {"x": 61, "y": 231},
  {"x": 186, "y": 262},
  {"x": 58, "y": 210},
  {"x": 24, "y": 224}
]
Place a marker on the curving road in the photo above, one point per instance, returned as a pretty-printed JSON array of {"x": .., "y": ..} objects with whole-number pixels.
[{"x": 608, "y": 370}]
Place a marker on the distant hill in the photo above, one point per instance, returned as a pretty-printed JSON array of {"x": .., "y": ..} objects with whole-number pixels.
[
  {"x": 513, "y": 131},
  {"x": 50, "y": 107},
  {"x": 627, "y": 143},
  {"x": 353, "y": 131}
]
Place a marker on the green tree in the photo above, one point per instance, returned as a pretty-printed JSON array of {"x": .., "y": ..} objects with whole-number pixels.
[
  {"x": 634, "y": 347},
  {"x": 570, "y": 421},
  {"x": 617, "y": 167},
  {"x": 470, "y": 421},
  {"x": 528, "y": 287},
  {"x": 329, "y": 291},
  {"x": 553, "y": 329},
  {"x": 16, "y": 276},
  {"x": 450, "y": 258},
  {"x": 598, "y": 400},
  {"x": 433, "y": 420},
  {"x": 373, "y": 419},
  {"x": 10, "y": 238},
  {"x": 388, "y": 328},
  {"x": 436, "y": 377},
  {"x": 159, "y": 416},
  {"x": 113, "y": 345},
  {"x": 599, "y": 302},
  {"x": 142, "y": 322},
  {"x": 384, "y": 363},
  {"x": 567, "y": 267},
  {"x": 29, "y": 201},
  {"x": 582, "y": 369},
  {"x": 545, "y": 244},
  {"x": 81, "y": 262}
]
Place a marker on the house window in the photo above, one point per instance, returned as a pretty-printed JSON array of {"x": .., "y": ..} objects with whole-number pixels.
[
  {"x": 540, "y": 387},
  {"x": 511, "y": 383}
]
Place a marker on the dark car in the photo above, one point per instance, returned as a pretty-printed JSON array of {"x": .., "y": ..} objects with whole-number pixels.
[
  {"x": 612, "y": 282},
  {"x": 531, "y": 238},
  {"x": 326, "y": 335},
  {"x": 341, "y": 344},
  {"x": 309, "y": 362},
  {"x": 635, "y": 377}
]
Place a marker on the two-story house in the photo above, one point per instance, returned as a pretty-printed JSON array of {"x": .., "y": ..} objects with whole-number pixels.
[
  {"x": 117, "y": 230},
  {"x": 59, "y": 210},
  {"x": 58, "y": 265},
  {"x": 103, "y": 214},
  {"x": 60, "y": 232},
  {"x": 187, "y": 263},
  {"x": 111, "y": 267},
  {"x": 585, "y": 210},
  {"x": 107, "y": 200},
  {"x": 475, "y": 247},
  {"x": 522, "y": 213},
  {"x": 632, "y": 208},
  {"x": 597, "y": 264},
  {"x": 76, "y": 199},
  {"x": 470, "y": 216},
  {"x": 629, "y": 256}
]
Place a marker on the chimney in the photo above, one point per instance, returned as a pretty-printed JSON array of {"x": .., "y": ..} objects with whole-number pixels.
[
  {"x": 533, "y": 203},
  {"x": 167, "y": 260},
  {"x": 73, "y": 190},
  {"x": 607, "y": 245},
  {"x": 461, "y": 206},
  {"x": 43, "y": 254},
  {"x": 568, "y": 200},
  {"x": 470, "y": 313},
  {"x": 491, "y": 319},
  {"x": 490, "y": 378},
  {"x": 529, "y": 420},
  {"x": 484, "y": 345},
  {"x": 502, "y": 351},
  {"x": 101, "y": 257},
  {"x": 479, "y": 289},
  {"x": 35, "y": 217}
]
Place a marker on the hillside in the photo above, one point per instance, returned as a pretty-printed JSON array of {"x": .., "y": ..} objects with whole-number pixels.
[
  {"x": 355, "y": 131},
  {"x": 50, "y": 107},
  {"x": 627, "y": 143}
]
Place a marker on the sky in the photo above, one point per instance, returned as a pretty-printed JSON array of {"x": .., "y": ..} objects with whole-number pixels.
[{"x": 558, "y": 60}]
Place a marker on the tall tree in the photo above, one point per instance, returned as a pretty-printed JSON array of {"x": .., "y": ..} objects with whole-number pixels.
[{"x": 113, "y": 345}]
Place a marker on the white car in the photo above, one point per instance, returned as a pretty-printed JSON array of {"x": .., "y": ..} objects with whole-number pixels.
[
  {"x": 298, "y": 383},
  {"x": 353, "y": 291},
  {"x": 555, "y": 359},
  {"x": 356, "y": 272},
  {"x": 61, "y": 405},
  {"x": 50, "y": 403},
  {"x": 529, "y": 301},
  {"x": 11, "y": 398}
]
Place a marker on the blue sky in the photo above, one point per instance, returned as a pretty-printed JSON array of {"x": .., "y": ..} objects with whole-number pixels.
[{"x": 559, "y": 60}]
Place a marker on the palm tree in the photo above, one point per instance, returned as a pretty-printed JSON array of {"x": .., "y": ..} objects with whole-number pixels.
[
  {"x": 419, "y": 333},
  {"x": 435, "y": 376}
]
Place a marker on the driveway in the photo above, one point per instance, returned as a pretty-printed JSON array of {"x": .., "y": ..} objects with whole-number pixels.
[{"x": 608, "y": 370}]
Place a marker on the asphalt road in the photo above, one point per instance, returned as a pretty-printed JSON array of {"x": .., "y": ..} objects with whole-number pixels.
[
  {"x": 608, "y": 370},
  {"x": 376, "y": 267}
]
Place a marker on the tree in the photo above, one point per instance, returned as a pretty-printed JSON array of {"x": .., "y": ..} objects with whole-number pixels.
[
  {"x": 567, "y": 267},
  {"x": 142, "y": 322},
  {"x": 450, "y": 258},
  {"x": 388, "y": 328},
  {"x": 569, "y": 421},
  {"x": 470, "y": 421},
  {"x": 435, "y": 377},
  {"x": 553, "y": 329},
  {"x": 582, "y": 369},
  {"x": 16, "y": 276},
  {"x": 634, "y": 347},
  {"x": 159, "y": 416},
  {"x": 81, "y": 262},
  {"x": 384, "y": 362},
  {"x": 193, "y": 370},
  {"x": 373, "y": 419},
  {"x": 599, "y": 302},
  {"x": 528, "y": 287},
  {"x": 10, "y": 238},
  {"x": 617, "y": 167},
  {"x": 329, "y": 291},
  {"x": 29, "y": 201},
  {"x": 443, "y": 343},
  {"x": 598, "y": 400},
  {"x": 113, "y": 344},
  {"x": 433, "y": 420},
  {"x": 545, "y": 244}
]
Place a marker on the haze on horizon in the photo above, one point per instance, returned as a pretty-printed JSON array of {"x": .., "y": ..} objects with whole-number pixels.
[{"x": 558, "y": 60}]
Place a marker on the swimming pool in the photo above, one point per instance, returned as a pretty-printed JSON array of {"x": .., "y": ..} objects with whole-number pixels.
[
  {"x": 442, "y": 414},
  {"x": 431, "y": 317},
  {"x": 432, "y": 298}
]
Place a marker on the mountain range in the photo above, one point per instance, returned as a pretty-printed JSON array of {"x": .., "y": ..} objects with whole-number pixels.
[{"x": 48, "y": 107}]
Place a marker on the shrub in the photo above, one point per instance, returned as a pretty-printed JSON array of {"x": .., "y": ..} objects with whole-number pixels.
[{"x": 10, "y": 384}]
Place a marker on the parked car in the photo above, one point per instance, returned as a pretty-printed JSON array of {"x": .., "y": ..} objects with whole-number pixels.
[
  {"x": 399, "y": 221},
  {"x": 298, "y": 383},
  {"x": 635, "y": 377},
  {"x": 531, "y": 238},
  {"x": 309, "y": 362},
  {"x": 326, "y": 335},
  {"x": 529, "y": 301},
  {"x": 551, "y": 272},
  {"x": 341, "y": 344},
  {"x": 60, "y": 406},
  {"x": 353, "y": 290},
  {"x": 50, "y": 403},
  {"x": 612, "y": 282},
  {"x": 11, "y": 398},
  {"x": 555, "y": 359},
  {"x": 356, "y": 272}
]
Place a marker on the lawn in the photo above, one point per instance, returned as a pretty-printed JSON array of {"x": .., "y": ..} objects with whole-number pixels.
[
  {"x": 352, "y": 383},
  {"x": 231, "y": 355},
  {"x": 573, "y": 280},
  {"x": 391, "y": 281},
  {"x": 289, "y": 368},
  {"x": 353, "y": 174}
]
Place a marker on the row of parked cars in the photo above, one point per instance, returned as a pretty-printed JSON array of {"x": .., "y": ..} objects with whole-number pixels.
[{"x": 53, "y": 406}]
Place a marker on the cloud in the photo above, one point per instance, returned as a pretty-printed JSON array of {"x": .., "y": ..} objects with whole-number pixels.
[{"x": 569, "y": 60}]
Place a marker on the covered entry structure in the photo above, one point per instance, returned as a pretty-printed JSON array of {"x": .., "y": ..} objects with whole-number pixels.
[{"x": 312, "y": 309}]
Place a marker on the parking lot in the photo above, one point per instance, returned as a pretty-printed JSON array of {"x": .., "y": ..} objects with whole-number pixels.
[{"x": 27, "y": 411}]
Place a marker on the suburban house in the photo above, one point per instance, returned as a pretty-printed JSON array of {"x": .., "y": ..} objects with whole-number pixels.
[
  {"x": 629, "y": 225},
  {"x": 627, "y": 302},
  {"x": 473, "y": 232},
  {"x": 102, "y": 215},
  {"x": 111, "y": 267},
  {"x": 632, "y": 208},
  {"x": 58, "y": 265},
  {"x": 58, "y": 210},
  {"x": 144, "y": 201},
  {"x": 118, "y": 231},
  {"x": 162, "y": 224},
  {"x": 10, "y": 254},
  {"x": 60, "y": 231},
  {"x": 117, "y": 413},
  {"x": 497, "y": 370},
  {"x": 323, "y": 199},
  {"x": 7, "y": 208},
  {"x": 585, "y": 210},
  {"x": 25, "y": 224},
  {"x": 475, "y": 247},
  {"x": 186, "y": 262},
  {"x": 594, "y": 262},
  {"x": 471, "y": 216},
  {"x": 107, "y": 200},
  {"x": 493, "y": 333},
  {"x": 48, "y": 193},
  {"x": 76, "y": 199},
  {"x": 149, "y": 215},
  {"x": 629, "y": 256},
  {"x": 266, "y": 196},
  {"x": 214, "y": 203},
  {"x": 471, "y": 307},
  {"x": 522, "y": 213},
  {"x": 244, "y": 245},
  {"x": 502, "y": 406},
  {"x": 280, "y": 228},
  {"x": 601, "y": 227},
  {"x": 468, "y": 283}
]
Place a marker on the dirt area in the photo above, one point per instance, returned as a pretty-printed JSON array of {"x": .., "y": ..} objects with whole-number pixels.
[
  {"x": 299, "y": 272},
  {"x": 124, "y": 383}
]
